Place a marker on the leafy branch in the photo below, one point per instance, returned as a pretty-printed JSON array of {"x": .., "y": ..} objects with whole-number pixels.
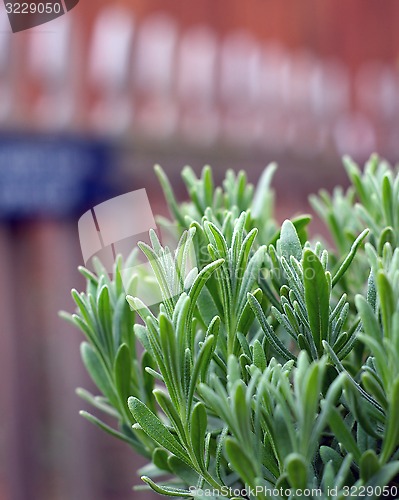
[{"x": 270, "y": 361}]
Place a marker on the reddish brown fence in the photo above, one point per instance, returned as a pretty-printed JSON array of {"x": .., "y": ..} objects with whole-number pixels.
[{"x": 233, "y": 83}]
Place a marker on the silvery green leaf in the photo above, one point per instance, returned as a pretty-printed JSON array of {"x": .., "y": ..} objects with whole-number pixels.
[{"x": 156, "y": 430}]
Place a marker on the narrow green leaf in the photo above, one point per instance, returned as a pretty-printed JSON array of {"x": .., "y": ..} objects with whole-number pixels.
[
  {"x": 160, "y": 459},
  {"x": 169, "y": 350},
  {"x": 183, "y": 471},
  {"x": 317, "y": 297},
  {"x": 207, "y": 306},
  {"x": 383, "y": 477},
  {"x": 374, "y": 388},
  {"x": 200, "y": 366},
  {"x": 310, "y": 395},
  {"x": 380, "y": 357},
  {"x": 349, "y": 258},
  {"x": 242, "y": 412},
  {"x": 355, "y": 176},
  {"x": 216, "y": 238},
  {"x": 99, "y": 402},
  {"x": 284, "y": 433},
  {"x": 387, "y": 236},
  {"x": 167, "y": 490},
  {"x": 155, "y": 429},
  {"x": 344, "y": 475},
  {"x": 387, "y": 304},
  {"x": 83, "y": 308},
  {"x": 168, "y": 193},
  {"x": 297, "y": 470},
  {"x": 200, "y": 281},
  {"x": 105, "y": 314},
  {"x": 300, "y": 223},
  {"x": 271, "y": 336},
  {"x": 208, "y": 185},
  {"x": 170, "y": 411},
  {"x": 369, "y": 465},
  {"x": 98, "y": 372},
  {"x": 391, "y": 437},
  {"x": 328, "y": 477},
  {"x": 219, "y": 453},
  {"x": 328, "y": 454},
  {"x": 387, "y": 199},
  {"x": 289, "y": 241},
  {"x": 259, "y": 357},
  {"x": 304, "y": 344},
  {"x": 122, "y": 372},
  {"x": 240, "y": 460},
  {"x": 122, "y": 324},
  {"x": 369, "y": 320},
  {"x": 198, "y": 426},
  {"x": 363, "y": 412},
  {"x": 247, "y": 316},
  {"x": 343, "y": 434},
  {"x": 341, "y": 369}
]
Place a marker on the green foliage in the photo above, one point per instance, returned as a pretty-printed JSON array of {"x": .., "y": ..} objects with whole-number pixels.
[{"x": 271, "y": 365}]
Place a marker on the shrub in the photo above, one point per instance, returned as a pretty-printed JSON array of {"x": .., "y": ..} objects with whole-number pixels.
[{"x": 269, "y": 370}]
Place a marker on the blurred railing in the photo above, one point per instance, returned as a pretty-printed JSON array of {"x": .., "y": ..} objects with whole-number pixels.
[{"x": 154, "y": 81}]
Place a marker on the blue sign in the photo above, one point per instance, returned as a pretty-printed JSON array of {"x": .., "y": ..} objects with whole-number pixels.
[{"x": 53, "y": 176}]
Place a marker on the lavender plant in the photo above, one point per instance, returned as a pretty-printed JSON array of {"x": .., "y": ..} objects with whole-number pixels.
[{"x": 273, "y": 372}]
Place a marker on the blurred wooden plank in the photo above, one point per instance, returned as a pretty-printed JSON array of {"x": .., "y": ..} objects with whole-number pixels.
[
  {"x": 10, "y": 445},
  {"x": 70, "y": 443},
  {"x": 20, "y": 391}
]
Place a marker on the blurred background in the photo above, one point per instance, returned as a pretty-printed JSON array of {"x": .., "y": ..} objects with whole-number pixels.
[{"x": 89, "y": 103}]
